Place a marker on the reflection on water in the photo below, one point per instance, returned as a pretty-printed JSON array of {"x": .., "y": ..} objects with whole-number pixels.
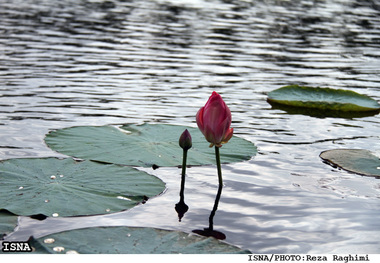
[
  {"x": 210, "y": 232},
  {"x": 68, "y": 62},
  {"x": 181, "y": 207}
]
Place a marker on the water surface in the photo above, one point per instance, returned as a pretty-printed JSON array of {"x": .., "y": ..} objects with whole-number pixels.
[{"x": 67, "y": 63}]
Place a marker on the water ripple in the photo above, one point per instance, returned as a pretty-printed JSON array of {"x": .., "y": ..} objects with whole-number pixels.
[{"x": 66, "y": 63}]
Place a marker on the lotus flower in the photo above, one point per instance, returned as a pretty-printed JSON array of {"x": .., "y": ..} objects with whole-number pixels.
[
  {"x": 214, "y": 121},
  {"x": 185, "y": 140}
]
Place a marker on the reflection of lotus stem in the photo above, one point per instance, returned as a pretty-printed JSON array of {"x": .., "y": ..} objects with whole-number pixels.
[
  {"x": 181, "y": 207},
  {"x": 217, "y": 155},
  {"x": 183, "y": 174}
]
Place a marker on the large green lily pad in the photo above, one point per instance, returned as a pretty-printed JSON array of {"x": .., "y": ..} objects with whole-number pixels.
[
  {"x": 130, "y": 240},
  {"x": 65, "y": 187},
  {"x": 143, "y": 145},
  {"x": 8, "y": 222},
  {"x": 358, "y": 161},
  {"x": 323, "y": 99}
]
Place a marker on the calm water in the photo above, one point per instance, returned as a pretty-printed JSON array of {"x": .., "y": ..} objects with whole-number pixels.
[{"x": 65, "y": 63}]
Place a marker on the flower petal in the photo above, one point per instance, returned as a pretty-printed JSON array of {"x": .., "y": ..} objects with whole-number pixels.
[
  {"x": 199, "y": 119},
  {"x": 228, "y": 135}
]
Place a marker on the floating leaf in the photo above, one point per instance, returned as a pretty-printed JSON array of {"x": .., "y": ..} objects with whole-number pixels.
[
  {"x": 64, "y": 187},
  {"x": 143, "y": 145},
  {"x": 8, "y": 222},
  {"x": 130, "y": 240},
  {"x": 358, "y": 161},
  {"x": 323, "y": 101}
]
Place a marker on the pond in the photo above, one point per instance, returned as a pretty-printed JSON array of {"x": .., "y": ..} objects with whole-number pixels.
[{"x": 91, "y": 62}]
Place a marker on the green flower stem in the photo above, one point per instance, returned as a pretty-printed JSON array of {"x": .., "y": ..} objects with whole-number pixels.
[
  {"x": 181, "y": 207},
  {"x": 217, "y": 156},
  {"x": 211, "y": 218},
  {"x": 183, "y": 174}
]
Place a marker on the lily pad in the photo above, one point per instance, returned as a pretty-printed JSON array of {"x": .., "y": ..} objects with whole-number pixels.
[
  {"x": 130, "y": 240},
  {"x": 65, "y": 187},
  {"x": 143, "y": 145},
  {"x": 358, "y": 161},
  {"x": 331, "y": 101},
  {"x": 8, "y": 222}
]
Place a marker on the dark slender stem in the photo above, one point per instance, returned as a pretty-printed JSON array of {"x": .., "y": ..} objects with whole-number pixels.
[
  {"x": 181, "y": 194},
  {"x": 217, "y": 156},
  {"x": 211, "y": 218}
]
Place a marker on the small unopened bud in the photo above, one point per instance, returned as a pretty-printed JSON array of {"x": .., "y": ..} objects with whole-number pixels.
[{"x": 185, "y": 140}]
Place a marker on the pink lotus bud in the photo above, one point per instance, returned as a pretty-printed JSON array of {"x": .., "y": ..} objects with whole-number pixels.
[
  {"x": 214, "y": 121},
  {"x": 185, "y": 140}
]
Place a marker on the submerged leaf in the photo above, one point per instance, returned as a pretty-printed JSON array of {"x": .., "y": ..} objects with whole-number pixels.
[
  {"x": 131, "y": 240},
  {"x": 358, "y": 161},
  {"x": 64, "y": 187},
  {"x": 8, "y": 222},
  {"x": 143, "y": 145},
  {"x": 319, "y": 101}
]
